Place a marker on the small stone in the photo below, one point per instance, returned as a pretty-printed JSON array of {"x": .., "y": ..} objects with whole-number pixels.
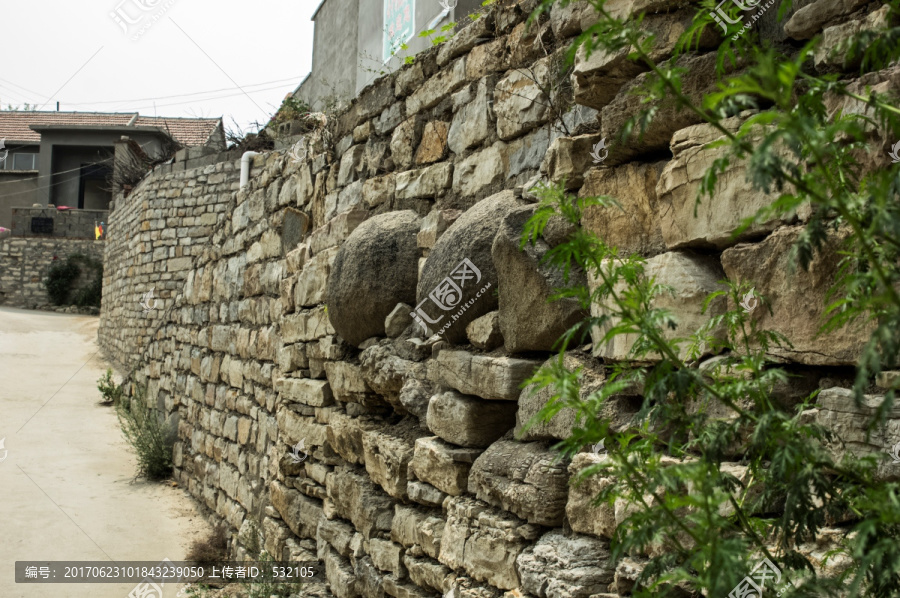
[
  {"x": 484, "y": 333},
  {"x": 398, "y": 320}
]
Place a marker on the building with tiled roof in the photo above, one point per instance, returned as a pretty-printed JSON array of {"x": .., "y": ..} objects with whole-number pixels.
[{"x": 63, "y": 158}]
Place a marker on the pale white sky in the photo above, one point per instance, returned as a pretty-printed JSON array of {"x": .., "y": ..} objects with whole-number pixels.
[{"x": 262, "y": 46}]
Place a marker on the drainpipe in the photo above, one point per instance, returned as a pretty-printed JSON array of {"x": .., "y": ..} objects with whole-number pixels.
[{"x": 245, "y": 167}]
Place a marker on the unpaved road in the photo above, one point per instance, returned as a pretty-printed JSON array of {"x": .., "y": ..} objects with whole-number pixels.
[{"x": 67, "y": 487}]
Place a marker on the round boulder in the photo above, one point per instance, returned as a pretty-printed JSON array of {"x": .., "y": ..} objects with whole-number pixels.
[
  {"x": 459, "y": 280},
  {"x": 375, "y": 268}
]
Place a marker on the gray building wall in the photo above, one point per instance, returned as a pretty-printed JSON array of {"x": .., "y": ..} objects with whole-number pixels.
[
  {"x": 348, "y": 54},
  {"x": 18, "y": 189},
  {"x": 334, "y": 60}
]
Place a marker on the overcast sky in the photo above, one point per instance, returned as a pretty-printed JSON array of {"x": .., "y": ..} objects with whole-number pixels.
[{"x": 194, "y": 60}]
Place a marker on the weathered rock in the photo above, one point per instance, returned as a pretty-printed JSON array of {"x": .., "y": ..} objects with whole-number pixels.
[
  {"x": 519, "y": 100},
  {"x": 357, "y": 499},
  {"x": 484, "y": 333},
  {"x": 434, "y": 225},
  {"x": 379, "y": 190},
  {"x": 415, "y": 395},
  {"x": 836, "y": 410},
  {"x": 417, "y": 527},
  {"x": 467, "y": 420},
  {"x": 486, "y": 59},
  {"x": 466, "y": 39},
  {"x": 569, "y": 158},
  {"x": 529, "y": 321},
  {"x": 345, "y": 435},
  {"x": 340, "y": 574},
  {"x": 525, "y": 479},
  {"x": 809, "y": 20},
  {"x": 831, "y": 51},
  {"x": 633, "y": 226},
  {"x": 484, "y": 541},
  {"x": 714, "y": 221},
  {"x": 295, "y": 427},
  {"x": 404, "y": 139},
  {"x": 691, "y": 277},
  {"x": 335, "y": 231},
  {"x": 797, "y": 298},
  {"x": 425, "y": 494},
  {"x": 369, "y": 580},
  {"x": 498, "y": 378},
  {"x": 473, "y": 123},
  {"x": 302, "y": 514},
  {"x": 433, "y": 146},
  {"x": 618, "y": 410},
  {"x": 351, "y": 165},
  {"x": 347, "y": 382},
  {"x": 469, "y": 238},
  {"x": 388, "y": 453},
  {"x": 444, "y": 466},
  {"x": 698, "y": 79},
  {"x": 375, "y": 268},
  {"x": 387, "y": 556},
  {"x": 424, "y": 182},
  {"x": 428, "y": 573},
  {"x": 558, "y": 566},
  {"x": 316, "y": 393},
  {"x": 337, "y": 533},
  {"x": 481, "y": 172},
  {"x": 446, "y": 81},
  {"x": 398, "y": 320},
  {"x": 583, "y": 516},
  {"x": 384, "y": 371},
  {"x": 307, "y": 326},
  {"x": 313, "y": 279}
]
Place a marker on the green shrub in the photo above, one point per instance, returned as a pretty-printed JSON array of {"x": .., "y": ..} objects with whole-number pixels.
[
  {"x": 149, "y": 435},
  {"x": 64, "y": 274},
  {"x": 112, "y": 392}
]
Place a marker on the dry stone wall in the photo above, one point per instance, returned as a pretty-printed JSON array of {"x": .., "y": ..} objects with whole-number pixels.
[
  {"x": 289, "y": 348},
  {"x": 25, "y": 261}
]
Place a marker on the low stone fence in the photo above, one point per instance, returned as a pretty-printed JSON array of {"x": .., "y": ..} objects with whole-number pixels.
[
  {"x": 24, "y": 263},
  {"x": 73, "y": 224}
]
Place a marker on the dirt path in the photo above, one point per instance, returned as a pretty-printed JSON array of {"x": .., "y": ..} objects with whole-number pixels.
[{"x": 67, "y": 488}]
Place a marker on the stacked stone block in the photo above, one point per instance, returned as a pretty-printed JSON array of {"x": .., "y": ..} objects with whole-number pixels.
[{"x": 314, "y": 408}]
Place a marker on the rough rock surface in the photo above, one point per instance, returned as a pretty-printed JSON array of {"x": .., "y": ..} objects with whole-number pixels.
[
  {"x": 469, "y": 421},
  {"x": 498, "y": 378},
  {"x": 691, "y": 277},
  {"x": 528, "y": 480},
  {"x": 375, "y": 268},
  {"x": 529, "y": 321},
  {"x": 469, "y": 238},
  {"x": 634, "y": 225},
  {"x": 796, "y": 298},
  {"x": 561, "y": 566}
]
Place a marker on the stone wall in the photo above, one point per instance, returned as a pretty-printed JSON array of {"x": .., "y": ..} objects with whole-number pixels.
[
  {"x": 311, "y": 408},
  {"x": 73, "y": 224},
  {"x": 154, "y": 235},
  {"x": 24, "y": 263}
]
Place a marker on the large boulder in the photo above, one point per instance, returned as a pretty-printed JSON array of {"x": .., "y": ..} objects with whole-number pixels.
[
  {"x": 374, "y": 270},
  {"x": 529, "y": 321},
  {"x": 459, "y": 276}
]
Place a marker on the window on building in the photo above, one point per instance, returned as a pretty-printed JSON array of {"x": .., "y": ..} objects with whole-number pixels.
[{"x": 25, "y": 162}]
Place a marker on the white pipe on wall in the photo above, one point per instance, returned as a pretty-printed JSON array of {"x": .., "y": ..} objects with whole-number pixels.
[{"x": 245, "y": 167}]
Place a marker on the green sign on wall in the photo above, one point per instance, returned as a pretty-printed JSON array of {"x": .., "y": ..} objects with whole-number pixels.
[{"x": 399, "y": 25}]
